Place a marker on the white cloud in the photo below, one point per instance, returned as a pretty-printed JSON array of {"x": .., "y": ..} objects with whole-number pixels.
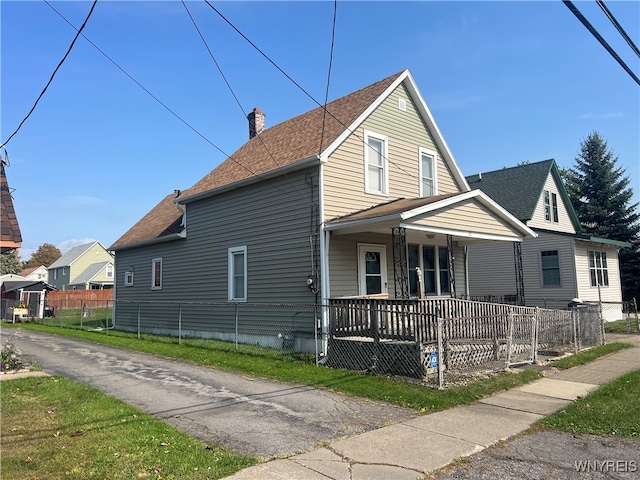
[
  {"x": 67, "y": 245},
  {"x": 600, "y": 116}
]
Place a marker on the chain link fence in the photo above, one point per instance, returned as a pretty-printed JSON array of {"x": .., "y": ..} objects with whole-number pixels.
[{"x": 438, "y": 342}]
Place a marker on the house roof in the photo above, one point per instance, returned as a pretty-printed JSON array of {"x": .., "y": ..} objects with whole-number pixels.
[
  {"x": 404, "y": 212},
  {"x": 30, "y": 270},
  {"x": 10, "y": 235},
  {"x": 89, "y": 273},
  {"x": 518, "y": 189},
  {"x": 309, "y": 137},
  {"x": 27, "y": 285},
  {"x": 72, "y": 255}
]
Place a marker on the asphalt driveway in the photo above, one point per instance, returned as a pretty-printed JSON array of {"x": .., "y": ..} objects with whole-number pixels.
[{"x": 250, "y": 415}]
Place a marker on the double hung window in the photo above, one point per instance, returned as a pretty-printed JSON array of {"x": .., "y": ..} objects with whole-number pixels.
[
  {"x": 237, "y": 260},
  {"x": 376, "y": 164},
  {"x": 156, "y": 274},
  {"x": 598, "y": 269},
  {"x": 427, "y": 173},
  {"x": 550, "y": 265}
]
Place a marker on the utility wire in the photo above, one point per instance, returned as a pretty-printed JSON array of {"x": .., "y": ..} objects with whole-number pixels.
[
  {"x": 326, "y": 94},
  {"x": 204, "y": 41},
  {"x": 602, "y": 41},
  {"x": 618, "y": 27},
  {"x": 299, "y": 86},
  {"x": 151, "y": 94},
  {"x": 53, "y": 74}
]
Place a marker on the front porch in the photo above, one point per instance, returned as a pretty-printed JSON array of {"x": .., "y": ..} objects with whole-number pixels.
[{"x": 421, "y": 337}]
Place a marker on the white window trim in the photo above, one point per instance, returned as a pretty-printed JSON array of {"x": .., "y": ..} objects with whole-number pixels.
[
  {"x": 433, "y": 154},
  {"x": 109, "y": 271},
  {"x": 153, "y": 274},
  {"x": 230, "y": 256},
  {"x": 128, "y": 278},
  {"x": 385, "y": 163},
  {"x": 362, "y": 278}
]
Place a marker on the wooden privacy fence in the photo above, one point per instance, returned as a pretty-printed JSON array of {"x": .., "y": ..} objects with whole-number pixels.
[{"x": 65, "y": 299}]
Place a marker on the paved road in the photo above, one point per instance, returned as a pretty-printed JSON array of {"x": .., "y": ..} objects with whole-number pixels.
[
  {"x": 551, "y": 455},
  {"x": 250, "y": 415}
]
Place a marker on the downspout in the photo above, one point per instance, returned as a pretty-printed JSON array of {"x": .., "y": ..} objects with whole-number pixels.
[{"x": 324, "y": 261}]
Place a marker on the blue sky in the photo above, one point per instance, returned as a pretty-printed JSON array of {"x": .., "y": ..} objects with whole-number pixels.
[{"x": 505, "y": 81}]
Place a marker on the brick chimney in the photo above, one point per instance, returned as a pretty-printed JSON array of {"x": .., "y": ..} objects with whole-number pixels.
[{"x": 256, "y": 122}]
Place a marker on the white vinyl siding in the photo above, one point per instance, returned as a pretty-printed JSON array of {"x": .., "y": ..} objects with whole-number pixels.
[
  {"x": 237, "y": 258},
  {"x": 551, "y": 213},
  {"x": 376, "y": 164}
]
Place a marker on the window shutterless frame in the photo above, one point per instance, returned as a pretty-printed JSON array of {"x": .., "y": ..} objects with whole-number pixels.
[
  {"x": 237, "y": 274},
  {"x": 156, "y": 274},
  {"x": 376, "y": 165},
  {"x": 427, "y": 172}
]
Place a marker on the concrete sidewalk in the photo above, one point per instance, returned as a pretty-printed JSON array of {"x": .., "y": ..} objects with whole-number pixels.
[{"x": 411, "y": 449}]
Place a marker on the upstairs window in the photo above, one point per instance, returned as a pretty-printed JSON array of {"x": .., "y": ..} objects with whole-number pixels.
[
  {"x": 598, "y": 269},
  {"x": 550, "y": 265},
  {"x": 156, "y": 274},
  {"x": 427, "y": 173},
  {"x": 376, "y": 164},
  {"x": 550, "y": 207},
  {"x": 128, "y": 278},
  {"x": 554, "y": 207},
  {"x": 109, "y": 271}
]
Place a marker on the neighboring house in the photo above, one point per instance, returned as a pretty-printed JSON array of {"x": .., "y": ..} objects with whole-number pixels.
[
  {"x": 316, "y": 208},
  {"x": 36, "y": 273},
  {"x": 87, "y": 266},
  {"x": 10, "y": 236},
  {"x": 561, "y": 263}
]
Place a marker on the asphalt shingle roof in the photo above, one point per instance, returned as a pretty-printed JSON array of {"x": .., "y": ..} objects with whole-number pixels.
[
  {"x": 516, "y": 189},
  {"x": 276, "y": 147}
]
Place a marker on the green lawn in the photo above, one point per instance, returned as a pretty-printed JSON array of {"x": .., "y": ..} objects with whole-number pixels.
[
  {"x": 612, "y": 409},
  {"x": 54, "y": 428}
]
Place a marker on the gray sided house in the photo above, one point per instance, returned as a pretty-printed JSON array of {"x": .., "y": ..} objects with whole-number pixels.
[
  {"x": 561, "y": 263},
  {"x": 85, "y": 267},
  {"x": 364, "y": 202}
]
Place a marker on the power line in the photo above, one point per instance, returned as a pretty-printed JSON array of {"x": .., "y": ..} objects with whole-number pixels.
[
  {"x": 599, "y": 37},
  {"x": 53, "y": 74},
  {"x": 204, "y": 41},
  {"x": 326, "y": 94},
  {"x": 299, "y": 86},
  {"x": 618, "y": 27}
]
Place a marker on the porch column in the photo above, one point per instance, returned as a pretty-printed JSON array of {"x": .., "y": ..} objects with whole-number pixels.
[
  {"x": 400, "y": 275},
  {"x": 517, "y": 260},
  {"x": 452, "y": 275}
]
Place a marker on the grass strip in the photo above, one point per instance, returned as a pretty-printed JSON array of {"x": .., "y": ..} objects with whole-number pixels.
[
  {"x": 589, "y": 355},
  {"x": 612, "y": 409},
  {"x": 55, "y": 428}
]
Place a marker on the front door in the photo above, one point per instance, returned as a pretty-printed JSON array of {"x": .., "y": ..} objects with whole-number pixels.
[{"x": 372, "y": 269}]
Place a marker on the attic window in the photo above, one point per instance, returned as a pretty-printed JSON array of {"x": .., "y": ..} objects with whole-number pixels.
[{"x": 402, "y": 104}]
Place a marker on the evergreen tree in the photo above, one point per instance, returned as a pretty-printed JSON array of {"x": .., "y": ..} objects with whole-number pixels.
[
  {"x": 601, "y": 197},
  {"x": 45, "y": 255},
  {"x": 10, "y": 262}
]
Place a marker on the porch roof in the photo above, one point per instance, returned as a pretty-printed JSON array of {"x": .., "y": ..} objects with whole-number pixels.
[{"x": 470, "y": 217}]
